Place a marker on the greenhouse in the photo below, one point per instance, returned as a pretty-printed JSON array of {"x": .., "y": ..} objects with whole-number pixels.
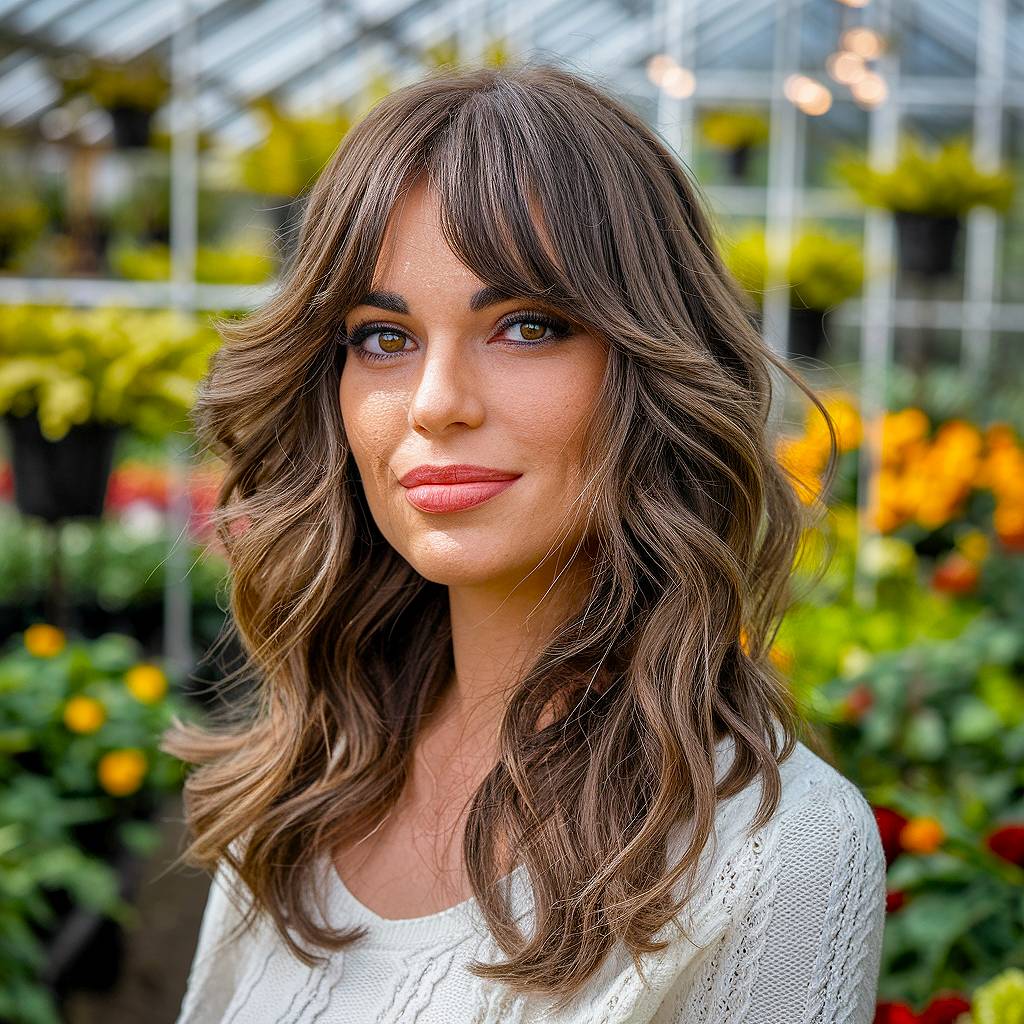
[{"x": 172, "y": 177}]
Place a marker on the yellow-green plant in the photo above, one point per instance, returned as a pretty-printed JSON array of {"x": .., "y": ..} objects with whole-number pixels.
[
  {"x": 294, "y": 150},
  {"x": 942, "y": 181},
  {"x": 823, "y": 269},
  {"x": 141, "y": 83},
  {"x": 238, "y": 264},
  {"x": 1001, "y": 1000},
  {"x": 133, "y": 367},
  {"x": 734, "y": 129},
  {"x": 22, "y": 219}
]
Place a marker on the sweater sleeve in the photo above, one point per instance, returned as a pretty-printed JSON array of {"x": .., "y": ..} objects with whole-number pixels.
[
  {"x": 808, "y": 948},
  {"x": 213, "y": 974}
]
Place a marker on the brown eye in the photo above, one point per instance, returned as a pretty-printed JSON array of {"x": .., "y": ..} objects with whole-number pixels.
[{"x": 391, "y": 341}]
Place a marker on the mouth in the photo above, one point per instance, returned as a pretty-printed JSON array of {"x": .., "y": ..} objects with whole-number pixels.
[{"x": 454, "y": 488}]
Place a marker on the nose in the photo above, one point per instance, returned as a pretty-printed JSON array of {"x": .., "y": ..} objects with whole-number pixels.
[{"x": 447, "y": 392}]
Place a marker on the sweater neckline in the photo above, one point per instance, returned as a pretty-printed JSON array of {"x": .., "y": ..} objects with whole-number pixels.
[
  {"x": 402, "y": 930},
  {"x": 411, "y": 929}
]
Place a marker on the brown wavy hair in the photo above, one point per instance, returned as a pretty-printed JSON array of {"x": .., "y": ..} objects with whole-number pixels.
[{"x": 551, "y": 188}]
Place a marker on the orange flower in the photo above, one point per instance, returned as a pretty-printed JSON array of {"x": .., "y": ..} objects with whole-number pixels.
[
  {"x": 84, "y": 714},
  {"x": 955, "y": 574},
  {"x": 147, "y": 683},
  {"x": 922, "y": 835},
  {"x": 120, "y": 772},
  {"x": 780, "y": 657},
  {"x": 44, "y": 641}
]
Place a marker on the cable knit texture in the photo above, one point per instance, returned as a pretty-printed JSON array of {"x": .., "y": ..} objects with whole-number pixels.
[{"x": 786, "y": 929}]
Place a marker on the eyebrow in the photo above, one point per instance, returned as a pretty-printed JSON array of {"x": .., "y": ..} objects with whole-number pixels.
[{"x": 394, "y": 303}]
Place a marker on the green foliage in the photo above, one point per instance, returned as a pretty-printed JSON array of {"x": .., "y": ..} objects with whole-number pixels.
[
  {"x": 52, "y": 781},
  {"x": 133, "y": 367},
  {"x": 225, "y": 265},
  {"x": 935, "y": 731},
  {"x": 733, "y": 129},
  {"x": 940, "y": 181},
  {"x": 823, "y": 269},
  {"x": 115, "y": 565}
]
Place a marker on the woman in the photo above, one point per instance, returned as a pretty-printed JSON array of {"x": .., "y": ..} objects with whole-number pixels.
[{"x": 508, "y": 547}]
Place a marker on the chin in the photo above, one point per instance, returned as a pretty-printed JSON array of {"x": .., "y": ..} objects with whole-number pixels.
[{"x": 478, "y": 558}]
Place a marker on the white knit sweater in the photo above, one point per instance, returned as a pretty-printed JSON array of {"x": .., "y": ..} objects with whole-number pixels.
[{"x": 788, "y": 929}]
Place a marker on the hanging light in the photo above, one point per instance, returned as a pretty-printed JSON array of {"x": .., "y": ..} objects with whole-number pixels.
[
  {"x": 658, "y": 66},
  {"x": 855, "y": 3},
  {"x": 845, "y": 66},
  {"x": 870, "y": 91},
  {"x": 863, "y": 41},
  {"x": 810, "y": 96},
  {"x": 679, "y": 82}
]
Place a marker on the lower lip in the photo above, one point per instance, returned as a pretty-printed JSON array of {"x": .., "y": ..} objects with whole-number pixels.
[{"x": 455, "y": 497}]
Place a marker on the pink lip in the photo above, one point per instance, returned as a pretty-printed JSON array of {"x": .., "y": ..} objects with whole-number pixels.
[{"x": 455, "y": 487}]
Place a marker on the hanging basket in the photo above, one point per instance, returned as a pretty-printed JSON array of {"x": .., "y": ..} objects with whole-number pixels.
[
  {"x": 926, "y": 243},
  {"x": 63, "y": 479},
  {"x": 808, "y": 331}
]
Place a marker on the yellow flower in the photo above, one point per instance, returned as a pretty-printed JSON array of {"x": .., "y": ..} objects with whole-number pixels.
[
  {"x": 973, "y": 545},
  {"x": 44, "y": 641},
  {"x": 922, "y": 835},
  {"x": 146, "y": 682},
  {"x": 121, "y": 772},
  {"x": 84, "y": 714}
]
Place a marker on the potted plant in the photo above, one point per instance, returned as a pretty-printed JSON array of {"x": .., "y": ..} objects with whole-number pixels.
[
  {"x": 80, "y": 770},
  {"x": 130, "y": 91},
  {"x": 928, "y": 190},
  {"x": 71, "y": 379},
  {"x": 735, "y": 133},
  {"x": 823, "y": 269}
]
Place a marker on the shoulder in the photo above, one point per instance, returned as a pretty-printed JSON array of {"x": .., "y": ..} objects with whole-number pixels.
[{"x": 821, "y": 843}]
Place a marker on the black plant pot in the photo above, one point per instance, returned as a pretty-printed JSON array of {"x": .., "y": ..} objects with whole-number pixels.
[
  {"x": 737, "y": 161},
  {"x": 131, "y": 126},
  {"x": 927, "y": 244},
  {"x": 63, "y": 479},
  {"x": 808, "y": 331}
]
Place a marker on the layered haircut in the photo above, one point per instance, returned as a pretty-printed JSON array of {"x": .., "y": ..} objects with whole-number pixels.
[{"x": 552, "y": 189}]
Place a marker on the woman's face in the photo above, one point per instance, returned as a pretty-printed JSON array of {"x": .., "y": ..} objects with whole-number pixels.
[{"x": 437, "y": 382}]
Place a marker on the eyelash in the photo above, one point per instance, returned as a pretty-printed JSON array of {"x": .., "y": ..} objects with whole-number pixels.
[{"x": 560, "y": 329}]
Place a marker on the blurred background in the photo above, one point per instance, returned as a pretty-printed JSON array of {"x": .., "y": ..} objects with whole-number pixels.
[{"x": 863, "y": 164}]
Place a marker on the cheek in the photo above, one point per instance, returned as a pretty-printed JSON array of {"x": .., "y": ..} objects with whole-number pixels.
[{"x": 370, "y": 419}]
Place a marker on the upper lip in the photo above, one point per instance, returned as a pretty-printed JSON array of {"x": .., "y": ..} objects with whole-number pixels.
[{"x": 457, "y": 473}]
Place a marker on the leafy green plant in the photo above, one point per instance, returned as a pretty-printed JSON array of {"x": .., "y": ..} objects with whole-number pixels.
[
  {"x": 940, "y": 181},
  {"x": 822, "y": 269},
  {"x": 80, "y": 724},
  {"x": 934, "y": 735},
  {"x": 133, "y": 367},
  {"x": 734, "y": 129}
]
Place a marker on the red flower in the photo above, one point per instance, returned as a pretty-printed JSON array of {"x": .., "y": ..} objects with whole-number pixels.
[
  {"x": 944, "y": 1009},
  {"x": 894, "y": 899},
  {"x": 894, "y": 1013},
  {"x": 857, "y": 703},
  {"x": 890, "y": 823},
  {"x": 1008, "y": 842},
  {"x": 955, "y": 574}
]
